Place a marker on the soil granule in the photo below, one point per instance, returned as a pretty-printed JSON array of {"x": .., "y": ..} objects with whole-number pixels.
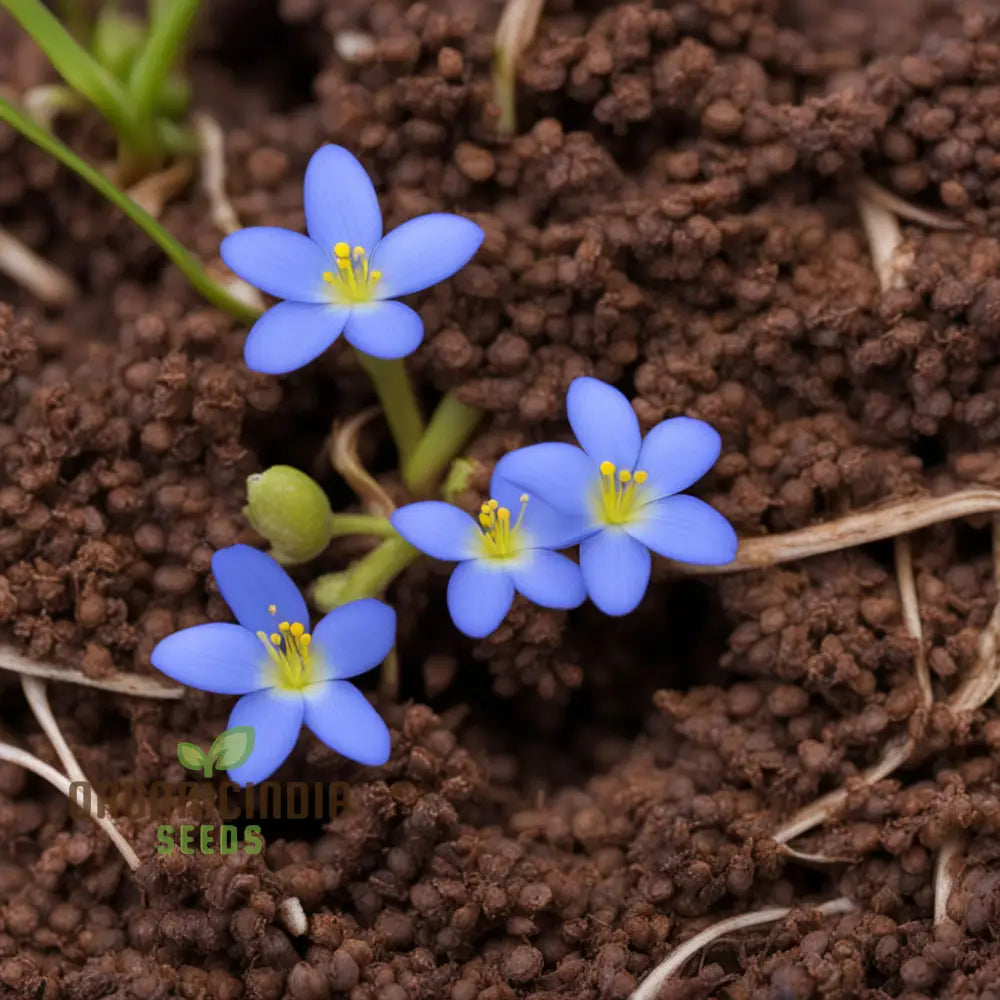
[{"x": 570, "y": 799}]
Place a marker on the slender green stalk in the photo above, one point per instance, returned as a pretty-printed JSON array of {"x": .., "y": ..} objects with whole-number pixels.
[
  {"x": 399, "y": 402},
  {"x": 360, "y": 524},
  {"x": 368, "y": 577},
  {"x": 188, "y": 264},
  {"x": 167, "y": 33},
  {"x": 73, "y": 63},
  {"x": 451, "y": 426}
]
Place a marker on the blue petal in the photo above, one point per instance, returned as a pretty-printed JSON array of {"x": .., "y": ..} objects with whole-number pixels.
[
  {"x": 218, "y": 657},
  {"x": 250, "y": 582},
  {"x": 276, "y": 720},
  {"x": 604, "y": 422},
  {"x": 424, "y": 251},
  {"x": 685, "y": 528},
  {"x": 290, "y": 335},
  {"x": 340, "y": 201},
  {"x": 479, "y": 596},
  {"x": 339, "y": 714},
  {"x": 385, "y": 330},
  {"x": 549, "y": 579},
  {"x": 356, "y": 637},
  {"x": 561, "y": 475},
  {"x": 677, "y": 453},
  {"x": 542, "y": 526},
  {"x": 438, "y": 529},
  {"x": 277, "y": 261},
  {"x": 615, "y": 570}
]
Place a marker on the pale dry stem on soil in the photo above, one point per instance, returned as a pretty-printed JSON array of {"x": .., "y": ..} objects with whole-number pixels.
[
  {"x": 517, "y": 27},
  {"x": 130, "y": 684},
  {"x": 885, "y": 240},
  {"x": 890, "y": 201},
  {"x": 343, "y": 451},
  {"x": 45, "y": 281},
  {"x": 212, "y": 172},
  {"x": 867, "y": 526},
  {"x": 676, "y": 960},
  {"x": 154, "y": 191},
  {"x": 15, "y": 755}
]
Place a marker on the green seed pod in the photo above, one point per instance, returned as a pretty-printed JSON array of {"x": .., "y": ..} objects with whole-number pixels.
[{"x": 291, "y": 511}]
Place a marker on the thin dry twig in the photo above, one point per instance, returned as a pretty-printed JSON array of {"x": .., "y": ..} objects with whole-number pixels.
[
  {"x": 949, "y": 861},
  {"x": 911, "y": 615},
  {"x": 212, "y": 140},
  {"x": 676, "y": 960},
  {"x": 905, "y": 210},
  {"x": 517, "y": 27},
  {"x": 15, "y": 755},
  {"x": 140, "y": 687},
  {"x": 861, "y": 528},
  {"x": 154, "y": 191},
  {"x": 885, "y": 240},
  {"x": 343, "y": 451},
  {"x": 41, "y": 278},
  {"x": 38, "y": 701}
]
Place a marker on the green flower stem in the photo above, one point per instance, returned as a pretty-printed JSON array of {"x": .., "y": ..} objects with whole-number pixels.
[
  {"x": 73, "y": 63},
  {"x": 368, "y": 577},
  {"x": 167, "y": 32},
  {"x": 399, "y": 402},
  {"x": 188, "y": 264},
  {"x": 451, "y": 426},
  {"x": 360, "y": 524}
]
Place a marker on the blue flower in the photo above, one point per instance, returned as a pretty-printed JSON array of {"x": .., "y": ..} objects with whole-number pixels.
[
  {"x": 620, "y": 493},
  {"x": 286, "y": 675},
  {"x": 343, "y": 276},
  {"x": 497, "y": 555}
]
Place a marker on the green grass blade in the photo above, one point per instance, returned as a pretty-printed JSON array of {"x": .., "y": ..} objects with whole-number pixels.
[
  {"x": 163, "y": 43},
  {"x": 73, "y": 63},
  {"x": 188, "y": 264}
]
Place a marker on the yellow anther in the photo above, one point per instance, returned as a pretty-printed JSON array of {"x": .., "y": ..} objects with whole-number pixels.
[
  {"x": 328, "y": 277},
  {"x": 359, "y": 253},
  {"x": 341, "y": 250},
  {"x": 284, "y": 626},
  {"x": 503, "y": 514},
  {"x": 485, "y": 520},
  {"x": 375, "y": 276},
  {"x": 306, "y": 639},
  {"x": 493, "y": 504},
  {"x": 272, "y": 609},
  {"x": 523, "y": 498},
  {"x": 297, "y": 629},
  {"x": 619, "y": 493},
  {"x": 275, "y": 638}
]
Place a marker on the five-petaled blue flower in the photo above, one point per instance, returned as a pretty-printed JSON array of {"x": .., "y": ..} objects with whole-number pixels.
[
  {"x": 286, "y": 675},
  {"x": 344, "y": 274},
  {"x": 501, "y": 553},
  {"x": 620, "y": 494}
]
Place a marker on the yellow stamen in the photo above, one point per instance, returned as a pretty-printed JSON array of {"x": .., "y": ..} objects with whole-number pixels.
[
  {"x": 499, "y": 535},
  {"x": 619, "y": 494},
  {"x": 293, "y": 666},
  {"x": 352, "y": 283},
  {"x": 272, "y": 609}
]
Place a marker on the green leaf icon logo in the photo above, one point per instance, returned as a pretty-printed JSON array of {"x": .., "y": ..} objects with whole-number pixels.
[
  {"x": 192, "y": 757},
  {"x": 232, "y": 748}
]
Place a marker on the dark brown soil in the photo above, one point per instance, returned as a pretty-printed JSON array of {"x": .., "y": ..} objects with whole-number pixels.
[{"x": 572, "y": 798}]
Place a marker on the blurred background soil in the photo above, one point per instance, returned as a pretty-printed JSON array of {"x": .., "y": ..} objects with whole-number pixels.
[{"x": 573, "y": 797}]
